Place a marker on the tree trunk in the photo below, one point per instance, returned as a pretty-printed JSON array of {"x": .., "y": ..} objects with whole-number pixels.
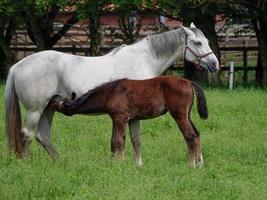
[
  {"x": 194, "y": 74},
  {"x": 130, "y": 27},
  {"x": 263, "y": 41},
  {"x": 259, "y": 71},
  {"x": 7, "y": 57},
  {"x": 38, "y": 32},
  {"x": 41, "y": 29},
  {"x": 263, "y": 49},
  {"x": 94, "y": 28},
  {"x": 259, "y": 65}
]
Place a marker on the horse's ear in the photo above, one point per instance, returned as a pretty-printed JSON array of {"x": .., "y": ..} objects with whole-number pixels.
[
  {"x": 192, "y": 25},
  {"x": 187, "y": 30}
]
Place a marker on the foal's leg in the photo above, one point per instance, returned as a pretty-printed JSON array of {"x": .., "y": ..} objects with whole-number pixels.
[
  {"x": 27, "y": 131},
  {"x": 189, "y": 136},
  {"x": 134, "y": 126},
  {"x": 44, "y": 132},
  {"x": 120, "y": 127},
  {"x": 198, "y": 153},
  {"x": 113, "y": 139}
]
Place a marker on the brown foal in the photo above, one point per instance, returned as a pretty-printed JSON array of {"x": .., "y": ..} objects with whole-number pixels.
[{"x": 128, "y": 101}]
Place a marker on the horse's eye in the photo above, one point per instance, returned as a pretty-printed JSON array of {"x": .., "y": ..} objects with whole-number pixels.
[{"x": 198, "y": 43}]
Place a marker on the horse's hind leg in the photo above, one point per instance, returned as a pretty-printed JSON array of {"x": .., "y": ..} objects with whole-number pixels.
[
  {"x": 32, "y": 119},
  {"x": 134, "y": 126},
  {"x": 44, "y": 132},
  {"x": 190, "y": 137},
  {"x": 198, "y": 153}
]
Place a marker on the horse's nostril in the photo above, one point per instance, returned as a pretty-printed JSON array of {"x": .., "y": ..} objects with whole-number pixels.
[{"x": 214, "y": 65}]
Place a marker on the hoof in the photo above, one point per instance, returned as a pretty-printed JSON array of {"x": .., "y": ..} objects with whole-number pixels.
[{"x": 139, "y": 162}]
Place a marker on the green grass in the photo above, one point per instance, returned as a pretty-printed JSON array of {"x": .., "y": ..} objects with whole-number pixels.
[{"x": 234, "y": 143}]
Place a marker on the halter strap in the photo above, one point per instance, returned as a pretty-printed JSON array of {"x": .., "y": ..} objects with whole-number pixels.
[{"x": 198, "y": 57}]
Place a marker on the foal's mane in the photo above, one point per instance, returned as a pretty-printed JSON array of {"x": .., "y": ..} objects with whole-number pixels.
[{"x": 78, "y": 102}]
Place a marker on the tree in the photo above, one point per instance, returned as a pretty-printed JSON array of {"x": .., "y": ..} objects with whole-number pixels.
[
  {"x": 254, "y": 15},
  {"x": 129, "y": 21},
  {"x": 93, "y": 10},
  {"x": 39, "y": 19},
  {"x": 8, "y": 24},
  {"x": 261, "y": 10}
]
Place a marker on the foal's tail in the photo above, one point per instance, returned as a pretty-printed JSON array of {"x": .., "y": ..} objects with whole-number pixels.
[
  {"x": 201, "y": 101},
  {"x": 13, "y": 117}
]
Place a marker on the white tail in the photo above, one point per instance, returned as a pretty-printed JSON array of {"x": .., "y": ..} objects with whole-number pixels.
[{"x": 13, "y": 117}]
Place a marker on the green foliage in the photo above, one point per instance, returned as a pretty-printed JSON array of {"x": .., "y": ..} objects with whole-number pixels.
[
  {"x": 91, "y": 8},
  {"x": 234, "y": 149}
]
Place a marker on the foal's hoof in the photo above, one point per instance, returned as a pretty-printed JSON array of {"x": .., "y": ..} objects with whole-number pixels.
[
  {"x": 121, "y": 156},
  {"x": 200, "y": 163},
  {"x": 55, "y": 156},
  {"x": 139, "y": 163}
]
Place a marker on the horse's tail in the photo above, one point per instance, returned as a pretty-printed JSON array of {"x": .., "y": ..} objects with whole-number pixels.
[
  {"x": 13, "y": 116},
  {"x": 201, "y": 101}
]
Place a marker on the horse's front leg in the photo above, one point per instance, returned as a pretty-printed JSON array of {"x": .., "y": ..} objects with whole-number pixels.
[
  {"x": 134, "y": 126},
  {"x": 118, "y": 136}
]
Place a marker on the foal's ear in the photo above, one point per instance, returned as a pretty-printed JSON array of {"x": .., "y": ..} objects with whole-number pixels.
[{"x": 192, "y": 25}]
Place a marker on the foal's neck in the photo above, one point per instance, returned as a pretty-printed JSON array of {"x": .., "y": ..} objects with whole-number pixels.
[{"x": 94, "y": 101}]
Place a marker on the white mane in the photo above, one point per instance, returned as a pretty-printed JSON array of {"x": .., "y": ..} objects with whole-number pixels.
[
  {"x": 165, "y": 44},
  {"x": 161, "y": 44}
]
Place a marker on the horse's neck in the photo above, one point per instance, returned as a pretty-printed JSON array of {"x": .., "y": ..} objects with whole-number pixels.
[
  {"x": 163, "y": 63},
  {"x": 142, "y": 53}
]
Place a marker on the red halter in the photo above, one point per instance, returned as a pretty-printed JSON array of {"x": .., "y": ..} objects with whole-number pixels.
[{"x": 198, "y": 57}]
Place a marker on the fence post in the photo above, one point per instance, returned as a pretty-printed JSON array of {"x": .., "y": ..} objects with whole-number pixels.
[
  {"x": 231, "y": 78},
  {"x": 245, "y": 64}
]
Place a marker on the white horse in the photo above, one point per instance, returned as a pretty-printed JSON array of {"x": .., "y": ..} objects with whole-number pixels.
[{"x": 37, "y": 78}]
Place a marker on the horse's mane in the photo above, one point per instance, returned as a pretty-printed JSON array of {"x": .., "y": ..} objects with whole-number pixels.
[
  {"x": 78, "y": 102},
  {"x": 115, "y": 50},
  {"x": 165, "y": 43},
  {"x": 160, "y": 44}
]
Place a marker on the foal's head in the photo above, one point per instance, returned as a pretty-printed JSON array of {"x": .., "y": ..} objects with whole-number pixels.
[
  {"x": 198, "y": 51},
  {"x": 60, "y": 104}
]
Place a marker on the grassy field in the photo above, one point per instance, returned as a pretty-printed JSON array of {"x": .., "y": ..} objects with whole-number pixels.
[{"x": 234, "y": 142}]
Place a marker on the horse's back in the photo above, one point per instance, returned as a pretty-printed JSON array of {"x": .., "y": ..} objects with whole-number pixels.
[{"x": 36, "y": 78}]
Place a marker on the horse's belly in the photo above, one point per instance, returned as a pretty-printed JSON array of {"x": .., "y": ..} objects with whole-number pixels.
[{"x": 151, "y": 112}]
